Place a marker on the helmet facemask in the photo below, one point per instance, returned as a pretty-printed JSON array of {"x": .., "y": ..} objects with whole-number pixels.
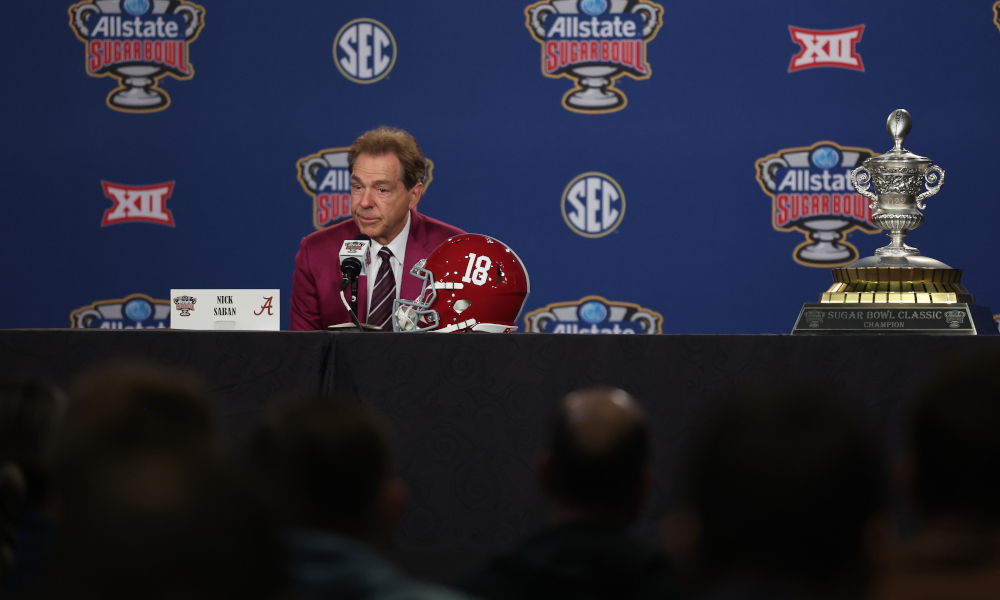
[{"x": 408, "y": 314}]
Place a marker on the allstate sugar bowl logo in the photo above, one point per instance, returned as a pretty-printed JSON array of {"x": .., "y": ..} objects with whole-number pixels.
[
  {"x": 185, "y": 304},
  {"x": 811, "y": 192},
  {"x": 594, "y": 42},
  {"x": 138, "y": 42},
  {"x": 593, "y": 205},
  {"x": 324, "y": 176},
  {"x": 364, "y": 50},
  {"x": 137, "y": 311},
  {"x": 594, "y": 314}
]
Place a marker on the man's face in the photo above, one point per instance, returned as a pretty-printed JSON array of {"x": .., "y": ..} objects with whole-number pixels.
[{"x": 379, "y": 200}]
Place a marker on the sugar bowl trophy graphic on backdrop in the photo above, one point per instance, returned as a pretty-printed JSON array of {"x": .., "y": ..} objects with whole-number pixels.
[
  {"x": 812, "y": 193},
  {"x": 324, "y": 176},
  {"x": 898, "y": 290},
  {"x": 594, "y": 42},
  {"x": 138, "y": 42}
]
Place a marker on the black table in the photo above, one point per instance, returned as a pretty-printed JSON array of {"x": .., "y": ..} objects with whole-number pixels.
[{"x": 469, "y": 412}]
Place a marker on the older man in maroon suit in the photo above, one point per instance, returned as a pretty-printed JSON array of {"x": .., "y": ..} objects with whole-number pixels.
[{"x": 387, "y": 169}]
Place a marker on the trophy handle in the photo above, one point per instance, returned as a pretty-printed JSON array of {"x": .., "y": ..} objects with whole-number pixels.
[
  {"x": 537, "y": 18},
  {"x": 930, "y": 177},
  {"x": 536, "y": 323},
  {"x": 647, "y": 320},
  {"x": 768, "y": 169},
  {"x": 80, "y": 14},
  {"x": 193, "y": 17},
  {"x": 650, "y": 18},
  {"x": 308, "y": 171},
  {"x": 862, "y": 178}
]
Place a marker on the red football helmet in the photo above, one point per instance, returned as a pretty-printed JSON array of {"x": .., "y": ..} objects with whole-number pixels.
[{"x": 472, "y": 282}]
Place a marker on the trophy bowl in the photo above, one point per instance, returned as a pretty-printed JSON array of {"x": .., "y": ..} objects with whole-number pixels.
[{"x": 899, "y": 177}]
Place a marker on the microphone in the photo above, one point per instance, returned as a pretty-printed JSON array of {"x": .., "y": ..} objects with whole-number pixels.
[
  {"x": 355, "y": 257},
  {"x": 354, "y": 261}
]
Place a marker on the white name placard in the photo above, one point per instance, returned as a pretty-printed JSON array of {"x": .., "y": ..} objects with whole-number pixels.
[{"x": 254, "y": 310}]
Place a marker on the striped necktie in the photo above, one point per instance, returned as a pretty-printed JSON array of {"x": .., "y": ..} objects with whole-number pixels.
[{"x": 383, "y": 294}]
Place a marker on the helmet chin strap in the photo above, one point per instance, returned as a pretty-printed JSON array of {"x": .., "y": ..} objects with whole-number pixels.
[
  {"x": 494, "y": 328},
  {"x": 457, "y": 326},
  {"x": 472, "y": 325}
]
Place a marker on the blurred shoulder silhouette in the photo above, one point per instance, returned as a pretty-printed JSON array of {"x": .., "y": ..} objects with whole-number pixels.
[
  {"x": 782, "y": 490},
  {"x": 951, "y": 477}
]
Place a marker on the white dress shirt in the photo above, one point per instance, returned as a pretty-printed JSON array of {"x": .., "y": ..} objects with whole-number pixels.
[{"x": 398, "y": 248}]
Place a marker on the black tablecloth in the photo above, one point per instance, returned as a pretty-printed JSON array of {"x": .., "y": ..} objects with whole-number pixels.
[
  {"x": 245, "y": 370},
  {"x": 469, "y": 412}
]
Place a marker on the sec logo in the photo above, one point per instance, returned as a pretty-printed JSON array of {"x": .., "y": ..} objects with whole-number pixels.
[
  {"x": 364, "y": 50},
  {"x": 593, "y": 205}
]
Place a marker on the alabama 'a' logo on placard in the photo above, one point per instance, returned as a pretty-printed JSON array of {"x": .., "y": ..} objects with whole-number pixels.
[
  {"x": 594, "y": 42},
  {"x": 138, "y": 42},
  {"x": 812, "y": 193},
  {"x": 325, "y": 177},
  {"x": 138, "y": 203},
  {"x": 826, "y": 48}
]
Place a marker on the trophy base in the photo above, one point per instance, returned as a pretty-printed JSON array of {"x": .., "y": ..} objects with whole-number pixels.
[
  {"x": 825, "y": 252},
  {"x": 916, "y": 280},
  {"x": 138, "y": 98},
  {"x": 895, "y": 319},
  {"x": 594, "y": 98}
]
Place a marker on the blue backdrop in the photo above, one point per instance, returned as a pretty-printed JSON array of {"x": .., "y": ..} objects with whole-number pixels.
[{"x": 696, "y": 244}]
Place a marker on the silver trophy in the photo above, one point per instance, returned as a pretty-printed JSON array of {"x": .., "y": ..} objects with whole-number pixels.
[
  {"x": 595, "y": 79},
  {"x": 138, "y": 81},
  {"x": 899, "y": 177},
  {"x": 897, "y": 291}
]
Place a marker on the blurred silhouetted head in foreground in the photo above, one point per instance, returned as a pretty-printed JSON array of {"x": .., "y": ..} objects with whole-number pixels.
[
  {"x": 597, "y": 465},
  {"x": 324, "y": 463},
  {"x": 152, "y": 525},
  {"x": 955, "y": 440},
  {"x": 146, "y": 509},
  {"x": 129, "y": 407},
  {"x": 783, "y": 487}
]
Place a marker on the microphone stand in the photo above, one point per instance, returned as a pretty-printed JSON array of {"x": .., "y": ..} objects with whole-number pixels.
[
  {"x": 352, "y": 307},
  {"x": 354, "y": 294}
]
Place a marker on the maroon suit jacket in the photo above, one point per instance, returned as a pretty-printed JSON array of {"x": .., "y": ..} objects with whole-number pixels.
[{"x": 316, "y": 282}]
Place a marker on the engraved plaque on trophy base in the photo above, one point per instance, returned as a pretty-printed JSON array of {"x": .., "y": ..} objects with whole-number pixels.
[{"x": 894, "y": 319}]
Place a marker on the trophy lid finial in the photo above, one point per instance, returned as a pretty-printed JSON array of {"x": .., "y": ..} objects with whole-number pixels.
[{"x": 898, "y": 125}]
